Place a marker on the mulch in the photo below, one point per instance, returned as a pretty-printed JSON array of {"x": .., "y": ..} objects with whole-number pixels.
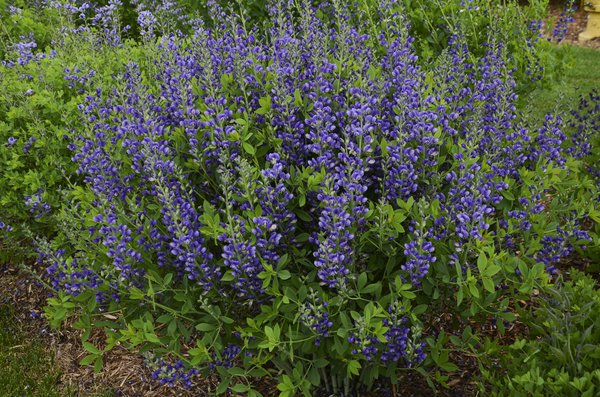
[{"x": 124, "y": 372}]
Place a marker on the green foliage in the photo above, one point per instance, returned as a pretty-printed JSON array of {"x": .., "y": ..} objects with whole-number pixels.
[
  {"x": 39, "y": 117},
  {"x": 561, "y": 356},
  {"x": 37, "y": 21},
  {"x": 435, "y": 22}
]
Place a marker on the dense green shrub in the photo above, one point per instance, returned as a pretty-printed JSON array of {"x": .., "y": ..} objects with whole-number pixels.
[
  {"x": 434, "y": 23},
  {"x": 584, "y": 132},
  {"x": 41, "y": 89},
  {"x": 22, "y": 20}
]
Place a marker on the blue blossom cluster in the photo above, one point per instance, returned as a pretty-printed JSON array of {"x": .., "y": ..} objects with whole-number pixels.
[
  {"x": 37, "y": 205},
  {"x": 419, "y": 256},
  {"x": 5, "y": 229},
  {"x": 315, "y": 316},
  {"x": 173, "y": 373},
  {"x": 555, "y": 247},
  {"x": 561, "y": 26},
  {"x": 399, "y": 345},
  {"x": 585, "y": 121},
  {"x": 227, "y": 356},
  {"x": 24, "y": 52},
  {"x": 534, "y": 69},
  {"x": 402, "y": 342},
  {"x": 69, "y": 274}
]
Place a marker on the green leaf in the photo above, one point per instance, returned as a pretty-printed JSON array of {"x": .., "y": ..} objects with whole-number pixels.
[
  {"x": 286, "y": 384},
  {"x": 248, "y": 148},
  {"x": 384, "y": 147},
  {"x": 362, "y": 281},
  {"x": 492, "y": 270},
  {"x": 284, "y": 274},
  {"x": 481, "y": 263},
  {"x": 98, "y": 364},
  {"x": 420, "y": 309},
  {"x": 236, "y": 371},
  {"x": 88, "y": 360},
  {"x": 91, "y": 348},
  {"x": 459, "y": 296},
  {"x": 265, "y": 105},
  {"x": 302, "y": 200},
  {"x": 508, "y": 316},
  {"x": 204, "y": 327},
  {"x": 150, "y": 337},
  {"x": 172, "y": 327},
  {"x": 226, "y": 320},
  {"x": 369, "y": 289},
  {"x": 473, "y": 290},
  {"x": 254, "y": 393},
  {"x": 240, "y": 388},
  {"x": 228, "y": 276},
  {"x": 225, "y": 80},
  {"x": 353, "y": 368},
  {"x": 298, "y": 98},
  {"x": 303, "y": 215},
  {"x": 223, "y": 386},
  {"x": 488, "y": 284},
  {"x": 449, "y": 367}
]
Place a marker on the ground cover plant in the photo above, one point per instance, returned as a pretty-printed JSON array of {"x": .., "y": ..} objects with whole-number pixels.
[
  {"x": 301, "y": 202},
  {"x": 565, "y": 328}
]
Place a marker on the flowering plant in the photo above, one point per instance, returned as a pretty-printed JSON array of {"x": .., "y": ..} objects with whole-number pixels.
[{"x": 306, "y": 201}]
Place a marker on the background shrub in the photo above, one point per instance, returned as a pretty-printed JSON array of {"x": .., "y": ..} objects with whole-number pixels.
[{"x": 518, "y": 26}]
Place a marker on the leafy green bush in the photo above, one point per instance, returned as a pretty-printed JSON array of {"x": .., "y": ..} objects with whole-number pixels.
[
  {"x": 434, "y": 23},
  {"x": 40, "y": 91},
  {"x": 26, "y": 20},
  {"x": 302, "y": 202},
  {"x": 584, "y": 132}
]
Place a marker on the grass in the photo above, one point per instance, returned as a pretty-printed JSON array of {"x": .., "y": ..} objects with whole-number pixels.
[
  {"x": 579, "y": 76},
  {"x": 26, "y": 366}
]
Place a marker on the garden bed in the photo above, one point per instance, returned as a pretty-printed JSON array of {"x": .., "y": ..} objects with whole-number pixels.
[{"x": 300, "y": 199}]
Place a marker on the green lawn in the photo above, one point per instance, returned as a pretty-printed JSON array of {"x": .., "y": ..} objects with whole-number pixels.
[{"x": 27, "y": 367}]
